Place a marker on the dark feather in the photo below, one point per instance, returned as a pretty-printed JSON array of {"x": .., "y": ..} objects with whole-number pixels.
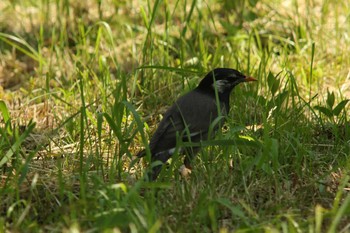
[{"x": 191, "y": 116}]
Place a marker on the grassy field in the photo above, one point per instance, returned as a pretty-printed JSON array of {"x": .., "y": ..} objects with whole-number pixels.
[{"x": 83, "y": 85}]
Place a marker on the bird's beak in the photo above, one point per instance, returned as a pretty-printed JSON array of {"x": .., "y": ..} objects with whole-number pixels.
[{"x": 249, "y": 79}]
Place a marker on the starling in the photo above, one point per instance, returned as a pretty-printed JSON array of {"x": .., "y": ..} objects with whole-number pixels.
[{"x": 191, "y": 117}]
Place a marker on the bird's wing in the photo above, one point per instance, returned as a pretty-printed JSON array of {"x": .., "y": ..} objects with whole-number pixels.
[
  {"x": 165, "y": 136},
  {"x": 190, "y": 117}
]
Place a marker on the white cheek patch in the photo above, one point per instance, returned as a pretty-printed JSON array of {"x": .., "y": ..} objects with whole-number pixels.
[
  {"x": 171, "y": 151},
  {"x": 221, "y": 85}
]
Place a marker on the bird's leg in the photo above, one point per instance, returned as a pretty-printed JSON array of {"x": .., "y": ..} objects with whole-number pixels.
[
  {"x": 190, "y": 155},
  {"x": 187, "y": 161},
  {"x": 186, "y": 169}
]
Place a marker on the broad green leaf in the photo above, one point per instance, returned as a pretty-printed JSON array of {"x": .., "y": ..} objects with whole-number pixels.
[
  {"x": 330, "y": 99},
  {"x": 343, "y": 211},
  {"x": 246, "y": 138},
  {"x": 230, "y": 142},
  {"x": 340, "y": 107},
  {"x": 273, "y": 83},
  {"x": 4, "y": 111},
  {"x": 324, "y": 110},
  {"x": 17, "y": 144},
  {"x": 235, "y": 210},
  {"x": 280, "y": 98}
]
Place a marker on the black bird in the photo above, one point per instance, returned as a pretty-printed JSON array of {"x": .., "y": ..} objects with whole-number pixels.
[{"x": 190, "y": 118}]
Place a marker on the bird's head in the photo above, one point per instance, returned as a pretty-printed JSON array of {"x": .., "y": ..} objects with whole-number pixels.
[{"x": 223, "y": 80}]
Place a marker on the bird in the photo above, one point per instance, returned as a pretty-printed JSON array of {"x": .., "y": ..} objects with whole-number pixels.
[{"x": 194, "y": 117}]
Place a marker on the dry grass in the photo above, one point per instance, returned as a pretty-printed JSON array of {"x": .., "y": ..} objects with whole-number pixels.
[{"x": 61, "y": 65}]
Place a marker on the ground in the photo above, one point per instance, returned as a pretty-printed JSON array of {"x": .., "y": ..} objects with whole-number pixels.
[{"x": 84, "y": 84}]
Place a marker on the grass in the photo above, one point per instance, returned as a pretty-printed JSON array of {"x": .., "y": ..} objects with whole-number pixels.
[{"x": 83, "y": 85}]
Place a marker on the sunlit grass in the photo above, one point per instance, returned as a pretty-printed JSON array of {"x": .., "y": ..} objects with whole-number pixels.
[{"x": 83, "y": 86}]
